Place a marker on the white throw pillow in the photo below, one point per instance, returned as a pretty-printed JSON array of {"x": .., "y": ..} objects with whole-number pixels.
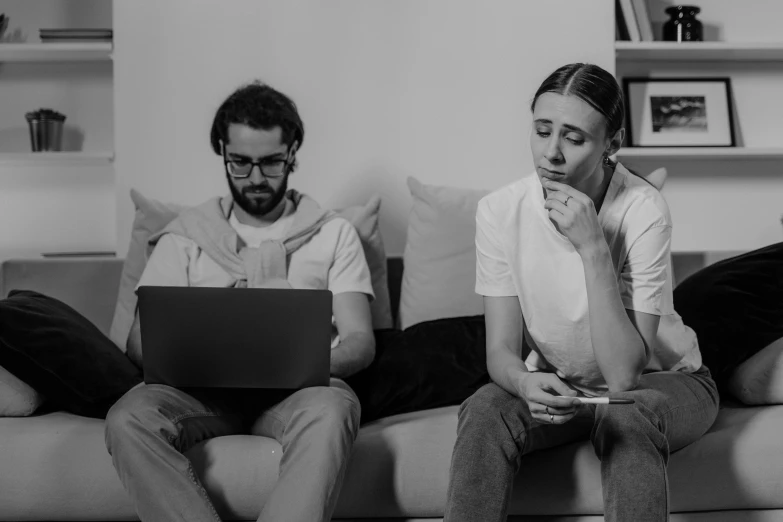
[
  {"x": 439, "y": 262},
  {"x": 17, "y": 398},
  {"x": 657, "y": 177}
]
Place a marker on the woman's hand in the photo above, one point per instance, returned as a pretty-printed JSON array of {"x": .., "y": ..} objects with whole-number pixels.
[
  {"x": 574, "y": 214},
  {"x": 539, "y": 390}
]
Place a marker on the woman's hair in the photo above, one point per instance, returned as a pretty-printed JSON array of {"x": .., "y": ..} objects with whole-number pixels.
[
  {"x": 258, "y": 106},
  {"x": 591, "y": 84}
]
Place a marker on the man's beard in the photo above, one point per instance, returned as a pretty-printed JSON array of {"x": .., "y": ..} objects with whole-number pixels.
[{"x": 255, "y": 206}]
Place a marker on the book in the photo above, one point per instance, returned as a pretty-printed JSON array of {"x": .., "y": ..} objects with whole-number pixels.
[
  {"x": 79, "y": 254},
  {"x": 630, "y": 20},
  {"x": 621, "y": 30},
  {"x": 642, "y": 12}
]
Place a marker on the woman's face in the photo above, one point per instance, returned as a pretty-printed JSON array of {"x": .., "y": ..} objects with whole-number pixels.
[{"x": 568, "y": 139}]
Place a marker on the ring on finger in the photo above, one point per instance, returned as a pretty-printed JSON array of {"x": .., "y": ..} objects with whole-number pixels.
[
  {"x": 566, "y": 200},
  {"x": 551, "y": 418}
]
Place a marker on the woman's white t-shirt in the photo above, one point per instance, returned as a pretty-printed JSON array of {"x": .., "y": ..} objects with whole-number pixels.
[{"x": 519, "y": 252}]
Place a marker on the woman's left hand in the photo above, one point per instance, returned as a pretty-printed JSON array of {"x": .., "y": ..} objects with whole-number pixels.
[{"x": 574, "y": 214}]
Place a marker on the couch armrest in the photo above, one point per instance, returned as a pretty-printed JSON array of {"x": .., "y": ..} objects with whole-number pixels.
[{"x": 89, "y": 285}]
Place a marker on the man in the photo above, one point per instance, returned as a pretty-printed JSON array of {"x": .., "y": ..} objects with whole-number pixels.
[{"x": 261, "y": 235}]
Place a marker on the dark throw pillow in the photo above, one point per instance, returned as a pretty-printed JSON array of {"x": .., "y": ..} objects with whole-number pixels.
[
  {"x": 429, "y": 365},
  {"x": 735, "y": 306},
  {"x": 62, "y": 355}
]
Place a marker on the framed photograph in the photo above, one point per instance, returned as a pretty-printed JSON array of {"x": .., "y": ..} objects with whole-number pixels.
[{"x": 679, "y": 112}]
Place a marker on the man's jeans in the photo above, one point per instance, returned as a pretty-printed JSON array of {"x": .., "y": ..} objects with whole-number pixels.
[
  {"x": 633, "y": 442},
  {"x": 152, "y": 426}
]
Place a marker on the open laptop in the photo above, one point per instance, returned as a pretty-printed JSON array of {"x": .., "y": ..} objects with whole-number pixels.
[{"x": 195, "y": 337}]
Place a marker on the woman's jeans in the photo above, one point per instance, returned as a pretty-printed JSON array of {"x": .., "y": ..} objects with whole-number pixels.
[
  {"x": 633, "y": 442},
  {"x": 150, "y": 428}
]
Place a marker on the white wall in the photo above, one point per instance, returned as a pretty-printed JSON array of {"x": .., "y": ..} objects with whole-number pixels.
[
  {"x": 437, "y": 89},
  {"x": 56, "y": 206}
]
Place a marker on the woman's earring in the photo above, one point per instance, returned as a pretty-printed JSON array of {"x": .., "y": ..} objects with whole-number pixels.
[{"x": 607, "y": 161}]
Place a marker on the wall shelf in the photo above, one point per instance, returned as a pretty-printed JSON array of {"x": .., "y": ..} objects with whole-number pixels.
[
  {"x": 698, "y": 51},
  {"x": 48, "y": 159},
  {"x": 56, "y": 52},
  {"x": 701, "y": 153}
]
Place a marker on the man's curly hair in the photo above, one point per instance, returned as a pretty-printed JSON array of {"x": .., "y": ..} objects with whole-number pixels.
[{"x": 258, "y": 106}]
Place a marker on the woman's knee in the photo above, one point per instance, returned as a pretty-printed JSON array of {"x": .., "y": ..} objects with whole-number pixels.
[
  {"x": 487, "y": 406},
  {"x": 633, "y": 423}
]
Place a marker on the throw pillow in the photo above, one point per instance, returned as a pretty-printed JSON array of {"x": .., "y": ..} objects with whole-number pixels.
[
  {"x": 152, "y": 216},
  {"x": 366, "y": 221},
  {"x": 433, "y": 364},
  {"x": 735, "y": 306},
  {"x": 62, "y": 355},
  {"x": 657, "y": 178},
  {"x": 439, "y": 277},
  {"x": 759, "y": 380},
  {"x": 17, "y": 398}
]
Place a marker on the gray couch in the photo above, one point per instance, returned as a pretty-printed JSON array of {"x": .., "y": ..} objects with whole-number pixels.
[{"x": 54, "y": 466}]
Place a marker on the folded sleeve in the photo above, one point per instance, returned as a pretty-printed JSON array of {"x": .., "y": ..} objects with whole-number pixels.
[
  {"x": 349, "y": 271},
  {"x": 493, "y": 274},
  {"x": 168, "y": 263},
  {"x": 644, "y": 277}
]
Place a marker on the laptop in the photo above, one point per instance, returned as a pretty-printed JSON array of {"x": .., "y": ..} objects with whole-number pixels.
[{"x": 196, "y": 337}]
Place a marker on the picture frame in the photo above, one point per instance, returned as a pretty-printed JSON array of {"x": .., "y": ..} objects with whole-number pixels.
[{"x": 679, "y": 112}]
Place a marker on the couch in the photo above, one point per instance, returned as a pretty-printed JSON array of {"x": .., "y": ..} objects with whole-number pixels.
[{"x": 54, "y": 465}]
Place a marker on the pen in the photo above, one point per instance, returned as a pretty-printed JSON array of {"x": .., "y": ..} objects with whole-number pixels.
[{"x": 599, "y": 400}]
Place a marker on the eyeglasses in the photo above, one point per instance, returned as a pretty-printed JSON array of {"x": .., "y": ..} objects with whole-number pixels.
[{"x": 242, "y": 168}]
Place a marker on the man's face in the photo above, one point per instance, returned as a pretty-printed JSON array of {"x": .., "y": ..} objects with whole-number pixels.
[{"x": 256, "y": 194}]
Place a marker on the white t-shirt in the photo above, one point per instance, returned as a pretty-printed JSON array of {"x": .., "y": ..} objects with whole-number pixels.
[
  {"x": 519, "y": 252},
  {"x": 333, "y": 259}
]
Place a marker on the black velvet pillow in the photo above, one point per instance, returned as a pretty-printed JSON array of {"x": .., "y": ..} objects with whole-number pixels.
[
  {"x": 428, "y": 365},
  {"x": 62, "y": 355},
  {"x": 735, "y": 306}
]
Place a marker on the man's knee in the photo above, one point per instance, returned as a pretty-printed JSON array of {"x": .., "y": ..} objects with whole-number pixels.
[
  {"x": 138, "y": 409},
  {"x": 332, "y": 404}
]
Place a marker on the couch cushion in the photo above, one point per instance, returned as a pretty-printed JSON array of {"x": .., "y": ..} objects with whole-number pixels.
[
  {"x": 429, "y": 365},
  {"x": 399, "y": 468},
  {"x": 88, "y": 285}
]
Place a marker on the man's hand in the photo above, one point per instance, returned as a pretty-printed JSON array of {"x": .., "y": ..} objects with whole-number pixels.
[
  {"x": 133, "y": 346},
  {"x": 574, "y": 214},
  {"x": 538, "y": 390}
]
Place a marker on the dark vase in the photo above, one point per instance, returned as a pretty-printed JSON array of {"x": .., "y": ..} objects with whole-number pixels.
[{"x": 683, "y": 26}]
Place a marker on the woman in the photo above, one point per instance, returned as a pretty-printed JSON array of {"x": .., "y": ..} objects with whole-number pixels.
[{"x": 573, "y": 262}]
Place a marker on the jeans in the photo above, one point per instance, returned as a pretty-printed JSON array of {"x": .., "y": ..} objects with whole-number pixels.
[
  {"x": 151, "y": 427},
  {"x": 633, "y": 443}
]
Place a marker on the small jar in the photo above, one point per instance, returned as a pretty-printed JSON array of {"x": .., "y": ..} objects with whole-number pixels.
[{"x": 683, "y": 25}]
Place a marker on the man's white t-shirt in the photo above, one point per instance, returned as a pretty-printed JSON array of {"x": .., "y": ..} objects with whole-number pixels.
[
  {"x": 333, "y": 259},
  {"x": 519, "y": 252}
]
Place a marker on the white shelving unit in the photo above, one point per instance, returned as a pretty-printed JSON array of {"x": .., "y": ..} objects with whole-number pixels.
[
  {"x": 698, "y": 51},
  {"x": 701, "y": 153},
  {"x": 56, "y": 52},
  {"x": 33, "y": 159}
]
